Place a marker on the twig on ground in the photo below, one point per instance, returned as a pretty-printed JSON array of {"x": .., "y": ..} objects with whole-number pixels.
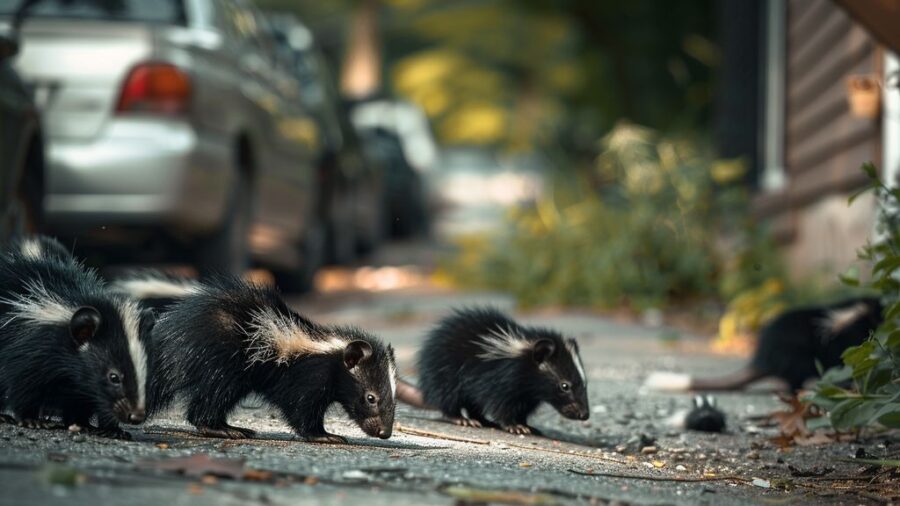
[
  {"x": 577, "y": 454},
  {"x": 438, "y": 435},
  {"x": 665, "y": 478}
]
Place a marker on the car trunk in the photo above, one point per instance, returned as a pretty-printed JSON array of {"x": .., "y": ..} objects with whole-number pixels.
[{"x": 78, "y": 68}]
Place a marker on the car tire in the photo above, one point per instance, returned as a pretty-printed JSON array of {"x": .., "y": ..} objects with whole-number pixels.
[
  {"x": 227, "y": 251},
  {"x": 312, "y": 252},
  {"x": 26, "y": 215}
]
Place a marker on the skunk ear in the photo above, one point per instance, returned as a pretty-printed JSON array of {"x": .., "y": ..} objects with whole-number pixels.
[
  {"x": 84, "y": 325},
  {"x": 356, "y": 352},
  {"x": 543, "y": 349}
]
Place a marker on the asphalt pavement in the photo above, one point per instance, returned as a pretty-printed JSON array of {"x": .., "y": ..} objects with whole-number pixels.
[{"x": 627, "y": 453}]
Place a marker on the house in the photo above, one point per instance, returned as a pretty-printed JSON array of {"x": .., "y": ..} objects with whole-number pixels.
[{"x": 823, "y": 98}]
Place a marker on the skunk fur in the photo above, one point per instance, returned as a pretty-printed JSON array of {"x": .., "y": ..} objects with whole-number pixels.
[
  {"x": 790, "y": 347},
  {"x": 479, "y": 367},
  {"x": 231, "y": 339},
  {"x": 69, "y": 348}
]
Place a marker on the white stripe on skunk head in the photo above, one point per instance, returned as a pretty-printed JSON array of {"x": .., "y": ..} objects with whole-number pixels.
[
  {"x": 149, "y": 287},
  {"x": 392, "y": 377},
  {"x": 39, "y": 306},
  {"x": 502, "y": 343},
  {"x": 837, "y": 320},
  {"x": 131, "y": 322},
  {"x": 276, "y": 337},
  {"x": 576, "y": 359},
  {"x": 31, "y": 248}
]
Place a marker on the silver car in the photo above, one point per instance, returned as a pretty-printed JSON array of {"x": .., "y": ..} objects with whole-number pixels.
[{"x": 171, "y": 122}]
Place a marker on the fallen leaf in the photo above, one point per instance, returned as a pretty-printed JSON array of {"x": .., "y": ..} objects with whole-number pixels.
[
  {"x": 162, "y": 446},
  {"x": 792, "y": 423},
  {"x": 658, "y": 464},
  {"x": 524, "y": 464},
  {"x": 257, "y": 475},
  {"x": 817, "y": 438},
  {"x": 199, "y": 465},
  {"x": 311, "y": 480}
]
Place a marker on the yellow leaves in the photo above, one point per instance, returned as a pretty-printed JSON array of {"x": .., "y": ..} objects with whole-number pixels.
[
  {"x": 479, "y": 123},
  {"x": 728, "y": 171},
  {"x": 746, "y": 313}
]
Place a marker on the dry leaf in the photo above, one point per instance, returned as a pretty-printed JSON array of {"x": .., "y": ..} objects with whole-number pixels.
[
  {"x": 257, "y": 475},
  {"x": 199, "y": 465}
]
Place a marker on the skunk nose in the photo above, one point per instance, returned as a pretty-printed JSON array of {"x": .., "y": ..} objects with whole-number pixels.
[
  {"x": 137, "y": 416},
  {"x": 384, "y": 433}
]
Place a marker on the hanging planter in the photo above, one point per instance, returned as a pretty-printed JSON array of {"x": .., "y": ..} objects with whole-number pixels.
[{"x": 864, "y": 96}]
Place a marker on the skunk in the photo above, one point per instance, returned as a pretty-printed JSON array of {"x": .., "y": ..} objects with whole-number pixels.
[
  {"x": 154, "y": 289},
  {"x": 792, "y": 347},
  {"x": 480, "y": 361},
  {"x": 231, "y": 339},
  {"x": 37, "y": 247},
  {"x": 68, "y": 346}
]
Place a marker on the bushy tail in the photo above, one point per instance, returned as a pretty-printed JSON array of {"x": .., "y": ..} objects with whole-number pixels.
[
  {"x": 675, "y": 382},
  {"x": 410, "y": 394}
]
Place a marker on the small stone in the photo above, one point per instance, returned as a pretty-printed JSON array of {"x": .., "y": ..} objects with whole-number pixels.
[
  {"x": 680, "y": 468},
  {"x": 754, "y": 455},
  {"x": 649, "y": 450},
  {"x": 74, "y": 428},
  {"x": 621, "y": 448}
]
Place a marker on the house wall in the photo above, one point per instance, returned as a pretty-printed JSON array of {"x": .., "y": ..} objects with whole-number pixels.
[{"x": 823, "y": 143}]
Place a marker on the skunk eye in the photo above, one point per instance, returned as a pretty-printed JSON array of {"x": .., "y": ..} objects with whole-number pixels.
[
  {"x": 371, "y": 399},
  {"x": 565, "y": 387},
  {"x": 114, "y": 378}
]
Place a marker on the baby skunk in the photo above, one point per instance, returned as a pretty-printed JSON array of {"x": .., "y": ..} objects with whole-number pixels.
[
  {"x": 232, "y": 339},
  {"x": 68, "y": 347},
  {"x": 790, "y": 346},
  {"x": 481, "y": 361}
]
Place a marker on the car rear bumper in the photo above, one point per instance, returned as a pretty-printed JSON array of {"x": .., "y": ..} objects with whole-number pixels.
[{"x": 140, "y": 172}]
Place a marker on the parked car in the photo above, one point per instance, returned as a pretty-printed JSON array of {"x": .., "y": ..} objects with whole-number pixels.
[
  {"x": 396, "y": 134},
  {"x": 21, "y": 150},
  {"x": 171, "y": 122},
  {"x": 352, "y": 200}
]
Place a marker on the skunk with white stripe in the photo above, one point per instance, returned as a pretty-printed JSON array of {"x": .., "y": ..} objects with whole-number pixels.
[
  {"x": 232, "y": 339},
  {"x": 790, "y": 347},
  {"x": 69, "y": 348},
  {"x": 155, "y": 289},
  {"x": 481, "y": 368}
]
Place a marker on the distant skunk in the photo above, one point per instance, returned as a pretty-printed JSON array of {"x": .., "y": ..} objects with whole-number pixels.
[
  {"x": 232, "y": 339},
  {"x": 498, "y": 371},
  {"x": 790, "y": 346},
  {"x": 68, "y": 347}
]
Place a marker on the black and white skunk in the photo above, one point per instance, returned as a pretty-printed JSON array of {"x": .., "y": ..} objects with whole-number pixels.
[
  {"x": 69, "y": 348},
  {"x": 155, "y": 289},
  {"x": 231, "y": 339},
  {"x": 790, "y": 347},
  {"x": 481, "y": 368}
]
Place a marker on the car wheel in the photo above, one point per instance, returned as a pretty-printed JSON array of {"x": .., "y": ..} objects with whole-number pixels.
[
  {"x": 26, "y": 213},
  {"x": 227, "y": 250},
  {"x": 312, "y": 252}
]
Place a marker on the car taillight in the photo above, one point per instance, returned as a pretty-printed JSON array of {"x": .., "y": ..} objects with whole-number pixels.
[{"x": 155, "y": 87}]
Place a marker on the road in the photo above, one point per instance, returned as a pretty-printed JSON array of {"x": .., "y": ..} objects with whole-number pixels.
[{"x": 428, "y": 461}]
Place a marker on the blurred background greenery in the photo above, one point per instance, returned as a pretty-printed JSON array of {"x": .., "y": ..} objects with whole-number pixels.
[{"x": 616, "y": 102}]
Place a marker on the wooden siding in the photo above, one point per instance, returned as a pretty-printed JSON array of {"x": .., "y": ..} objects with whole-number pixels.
[{"x": 824, "y": 143}]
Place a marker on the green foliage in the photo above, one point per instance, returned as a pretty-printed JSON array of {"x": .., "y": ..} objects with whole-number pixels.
[
  {"x": 646, "y": 229},
  {"x": 865, "y": 391}
]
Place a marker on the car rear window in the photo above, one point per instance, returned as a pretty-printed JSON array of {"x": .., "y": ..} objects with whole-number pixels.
[{"x": 151, "y": 11}]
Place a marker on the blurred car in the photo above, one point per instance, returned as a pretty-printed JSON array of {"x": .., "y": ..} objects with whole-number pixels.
[
  {"x": 352, "y": 200},
  {"x": 171, "y": 122},
  {"x": 396, "y": 134},
  {"x": 21, "y": 150}
]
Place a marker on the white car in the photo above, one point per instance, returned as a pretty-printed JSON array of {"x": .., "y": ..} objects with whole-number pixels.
[{"x": 172, "y": 126}]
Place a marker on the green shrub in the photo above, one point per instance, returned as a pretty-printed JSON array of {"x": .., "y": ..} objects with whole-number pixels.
[
  {"x": 872, "y": 369},
  {"x": 644, "y": 229}
]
